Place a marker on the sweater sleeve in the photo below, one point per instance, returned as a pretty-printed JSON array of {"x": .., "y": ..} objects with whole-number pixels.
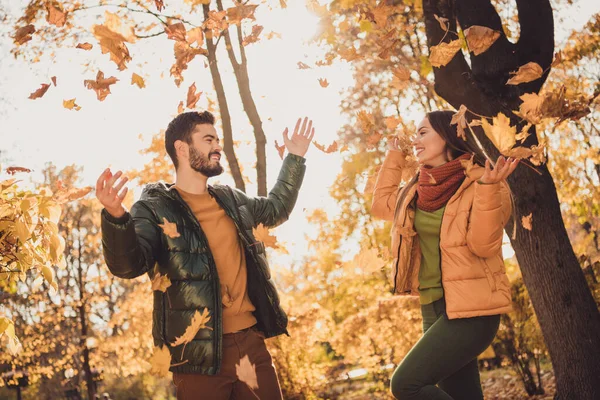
[{"x": 386, "y": 186}]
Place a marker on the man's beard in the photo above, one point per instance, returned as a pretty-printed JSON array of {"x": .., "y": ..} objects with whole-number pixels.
[{"x": 200, "y": 163}]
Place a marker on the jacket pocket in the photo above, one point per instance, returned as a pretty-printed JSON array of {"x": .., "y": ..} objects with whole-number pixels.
[{"x": 489, "y": 275}]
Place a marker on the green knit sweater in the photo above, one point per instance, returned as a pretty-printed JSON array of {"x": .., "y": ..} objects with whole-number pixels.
[{"x": 427, "y": 225}]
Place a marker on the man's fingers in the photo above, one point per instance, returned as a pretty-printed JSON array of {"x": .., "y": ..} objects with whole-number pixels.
[
  {"x": 312, "y": 134},
  {"x": 100, "y": 181},
  {"x": 308, "y": 129},
  {"x": 303, "y": 128},
  {"x": 297, "y": 126},
  {"x": 118, "y": 188},
  {"x": 113, "y": 179},
  {"x": 122, "y": 195}
]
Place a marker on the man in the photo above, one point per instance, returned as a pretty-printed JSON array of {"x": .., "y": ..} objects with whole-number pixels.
[{"x": 200, "y": 237}]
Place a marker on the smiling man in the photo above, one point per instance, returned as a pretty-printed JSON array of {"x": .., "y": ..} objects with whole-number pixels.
[{"x": 200, "y": 237}]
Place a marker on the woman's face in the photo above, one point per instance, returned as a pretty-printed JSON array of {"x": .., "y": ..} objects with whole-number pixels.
[{"x": 430, "y": 148}]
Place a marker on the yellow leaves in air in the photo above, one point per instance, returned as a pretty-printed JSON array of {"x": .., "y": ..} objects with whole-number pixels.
[
  {"x": 366, "y": 120},
  {"x": 323, "y": 82},
  {"x": 443, "y": 53},
  {"x": 531, "y": 108},
  {"x": 56, "y": 15},
  {"x": 527, "y": 221},
  {"x": 192, "y": 96},
  {"x": 262, "y": 234},
  {"x": 301, "y": 65},
  {"x": 459, "y": 119},
  {"x": 23, "y": 34},
  {"x": 235, "y": 15},
  {"x": 159, "y": 5},
  {"x": 40, "y": 92},
  {"x": 500, "y": 132},
  {"x": 480, "y": 38},
  {"x": 71, "y": 105},
  {"x": 160, "y": 282},
  {"x": 246, "y": 372},
  {"x": 84, "y": 46},
  {"x": 101, "y": 85},
  {"x": 253, "y": 37},
  {"x": 199, "y": 321},
  {"x": 381, "y": 14},
  {"x": 7, "y": 327},
  {"x": 169, "y": 228},
  {"x": 280, "y": 149},
  {"x": 392, "y": 122},
  {"x": 333, "y": 147},
  {"x": 113, "y": 43},
  {"x": 183, "y": 50},
  {"x": 176, "y": 32},
  {"x": 138, "y": 80},
  {"x": 160, "y": 362},
  {"x": 526, "y": 73}
]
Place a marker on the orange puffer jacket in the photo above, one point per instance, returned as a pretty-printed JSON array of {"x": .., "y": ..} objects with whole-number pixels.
[{"x": 473, "y": 274}]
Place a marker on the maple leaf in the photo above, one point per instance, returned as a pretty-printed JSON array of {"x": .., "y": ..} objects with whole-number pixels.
[
  {"x": 195, "y": 35},
  {"x": 40, "y": 92},
  {"x": 180, "y": 108},
  {"x": 113, "y": 43},
  {"x": 101, "y": 85},
  {"x": 280, "y": 149},
  {"x": 253, "y": 37},
  {"x": 199, "y": 321},
  {"x": 558, "y": 59},
  {"x": 159, "y": 5},
  {"x": 84, "y": 46},
  {"x": 138, "y": 80},
  {"x": 461, "y": 122},
  {"x": 480, "y": 38},
  {"x": 160, "y": 361},
  {"x": 160, "y": 282},
  {"x": 366, "y": 120},
  {"x": 176, "y": 32},
  {"x": 71, "y": 105},
  {"x": 381, "y": 13},
  {"x": 442, "y": 21},
  {"x": 77, "y": 193},
  {"x": 520, "y": 152},
  {"x": 246, "y": 372},
  {"x": 333, "y": 147},
  {"x": 323, "y": 82},
  {"x": 216, "y": 22},
  {"x": 526, "y": 73},
  {"x": 23, "y": 34},
  {"x": 55, "y": 16},
  {"x": 169, "y": 228},
  {"x": 184, "y": 53},
  {"x": 500, "y": 132},
  {"x": 531, "y": 108},
  {"x": 283, "y": 3},
  {"x": 348, "y": 54},
  {"x": 468, "y": 165},
  {"x": 392, "y": 122},
  {"x": 301, "y": 65},
  {"x": 538, "y": 157},
  {"x": 262, "y": 234},
  {"x": 402, "y": 73},
  {"x": 192, "y": 96},
  {"x": 443, "y": 53},
  {"x": 524, "y": 134},
  {"x": 236, "y": 14},
  {"x": 526, "y": 221}
]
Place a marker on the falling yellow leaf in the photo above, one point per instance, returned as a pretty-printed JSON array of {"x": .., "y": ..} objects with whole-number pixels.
[
  {"x": 283, "y": 3},
  {"x": 520, "y": 152},
  {"x": 101, "y": 85},
  {"x": 176, "y": 32},
  {"x": 531, "y": 108},
  {"x": 381, "y": 14},
  {"x": 40, "y": 92},
  {"x": 253, "y": 37},
  {"x": 84, "y": 46},
  {"x": 246, "y": 372},
  {"x": 467, "y": 165},
  {"x": 261, "y": 233},
  {"x": 180, "y": 108},
  {"x": 199, "y": 321},
  {"x": 192, "y": 96},
  {"x": 160, "y": 361},
  {"x": 392, "y": 122},
  {"x": 53, "y": 79},
  {"x": 169, "y": 228},
  {"x": 333, "y": 147},
  {"x": 442, "y": 21},
  {"x": 77, "y": 193},
  {"x": 23, "y": 34},
  {"x": 538, "y": 157},
  {"x": 524, "y": 134},
  {"x": 500, "y": 132},
  {"x": 526, "y": 73},
  {"x": 301, "y": 65},
  {"x": 323, "y": 82},
  {"x": 526, "y": 221},
  {"x": 237, "y": 14},
  {"x": 460, "y": 120},
  {"x": 138, "y": 80},
  {"x": 55, "y": 15},
  {"x": 280, "y": 149},
  {"x": 113, "y": 43},
  {"x": 71, "y": 105},
  {"x": 480, "y": 38},
  {"x": 160, "y": 282},
  {"x": 443, "y": 53},
  {"x": 402, "y": 73},
  {"x": 195, "y": 35},
  {"x": 558, "y": 58}
]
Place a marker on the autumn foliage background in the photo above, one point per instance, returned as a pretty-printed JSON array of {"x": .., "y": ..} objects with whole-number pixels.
[{"x": 86, "y": 85}]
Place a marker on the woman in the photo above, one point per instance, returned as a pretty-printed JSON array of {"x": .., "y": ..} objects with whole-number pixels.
[{"x": 447, "y": 238}]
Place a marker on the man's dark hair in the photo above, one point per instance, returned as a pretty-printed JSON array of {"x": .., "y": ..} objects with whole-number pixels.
[{"x": 181, "y": 128}]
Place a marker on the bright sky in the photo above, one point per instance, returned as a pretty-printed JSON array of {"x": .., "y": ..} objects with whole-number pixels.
[{"x": 103, "y": 134}]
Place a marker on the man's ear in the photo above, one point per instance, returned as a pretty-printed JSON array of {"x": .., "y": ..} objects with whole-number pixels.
[{"x": 181, "y": 149}]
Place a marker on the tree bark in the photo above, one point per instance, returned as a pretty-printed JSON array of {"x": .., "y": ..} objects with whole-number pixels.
[
  {"x": 567, "y": 313},
  {"x": 240, "y": 69},
  {"x": 228, "y": 147}
]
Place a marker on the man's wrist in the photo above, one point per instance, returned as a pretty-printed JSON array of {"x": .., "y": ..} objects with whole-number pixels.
[{"x": 118, "y": 213}]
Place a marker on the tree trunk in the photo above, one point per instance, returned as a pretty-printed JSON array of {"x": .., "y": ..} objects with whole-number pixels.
[
  {"x": 567, "y": 313},
  {"x": 240, "y": 70},
  {"x": 228, "y": 148},
  {"x": 91, "y": 387}
]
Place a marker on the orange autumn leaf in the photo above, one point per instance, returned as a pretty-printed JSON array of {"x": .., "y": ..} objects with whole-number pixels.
[
  {"x": 333, "y": 147},
  {"x": 176, "y": 32},
  {"x": 84, "y": 46},
  {"x": 53, "y": 79},
  {"x": 442, "y": 21},
  {"x": 71, "y": 105},
  {"x": 40, "y": 92},
  {"x": 246, "y": 372},
  {"x": 480, "y": 38},
  {"x": 443, "y": 53},
  {"x": 113, "y": 43},
  {"x": 78, "y": 193},
  {"x": 280, "y": 149},
  {"x": 169, "y": 228},
  {"x": 14, "y": 170},
  {"x": 365, "y": 120},
  {"x": 323, "y": 82},
  {"x": 160, "y": 361},
  {"x": 195, "y": 35},
  {"x": 392, "y": 122},
  {"x": 262, "y": 234},
  {"x": 101, "y": 85},
  {"x": 461, "y": 122},
  {"x": 500, "y": 132},
  {"x": 184, "y": 53},
  {"x": 198, "y": 322},
  {"x": 381, "y": 13},
  {"x": 468, "y": 165},
  {"x": 138, "y": 80},
  {"x": 301, "y": 65},
  {"x": 253, "y": 37},
  {"x": 159, "y": 5},
  {"x": 23, "y": 34},
  {"x": 192, "y": 96},
  {"x": 531, "y": 108},
  {"x": 180, "y": 108},
  {"x": 526, "y": 221},
  {"x": 236, "y": 14},
  {"x": 526, "y": 73},
  {"x": 160, "y": 282},
  {"x": 402, "y": 73},
  {"x": 55, "y": 15},
  {"x": 524, "y": 134}
]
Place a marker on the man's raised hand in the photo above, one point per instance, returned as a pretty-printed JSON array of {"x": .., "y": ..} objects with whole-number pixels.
[
  {"x": 111, "y": 196},
  {"x": 301, "y": 138}
]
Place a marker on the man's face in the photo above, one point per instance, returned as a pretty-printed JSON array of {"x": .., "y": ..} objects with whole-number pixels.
[{"x": 205, "y": 151}]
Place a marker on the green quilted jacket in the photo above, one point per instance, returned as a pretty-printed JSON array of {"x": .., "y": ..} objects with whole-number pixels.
[{"x": 135, "y": 244}]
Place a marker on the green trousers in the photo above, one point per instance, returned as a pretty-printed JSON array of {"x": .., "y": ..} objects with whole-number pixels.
[{"x": 445, "y": 356}]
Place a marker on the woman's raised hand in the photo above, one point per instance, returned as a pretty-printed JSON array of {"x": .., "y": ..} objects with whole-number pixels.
[{"x": 500, "y": 172}]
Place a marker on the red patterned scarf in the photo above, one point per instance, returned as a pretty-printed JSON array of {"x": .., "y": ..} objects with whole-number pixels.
[{"x": 437, "y": 184}]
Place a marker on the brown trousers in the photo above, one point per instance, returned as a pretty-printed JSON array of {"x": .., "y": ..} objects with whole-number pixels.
[{"x": 226, "y": 385}]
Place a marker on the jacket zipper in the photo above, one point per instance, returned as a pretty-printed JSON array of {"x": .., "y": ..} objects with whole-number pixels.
[{"x": 217, "y": 285}]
